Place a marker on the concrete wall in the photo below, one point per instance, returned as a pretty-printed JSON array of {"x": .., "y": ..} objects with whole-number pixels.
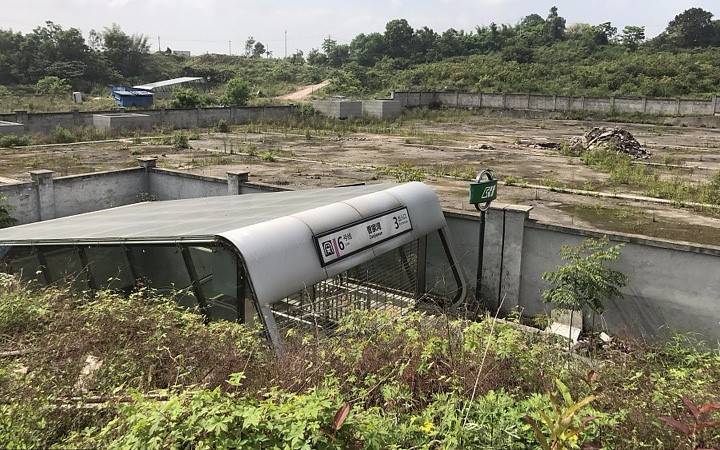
[
  {"x": 48, "y": 197},
  {"x": 652, "y": 106},
  {"x": 10, "y": 128},
  {"x": 382, "y": 109},
  {"x": 672, "y": 287},
  {"x": 171, "y": 118},
  {"x": 340, "y": 109},
  {"x": 110, "y": 122}
]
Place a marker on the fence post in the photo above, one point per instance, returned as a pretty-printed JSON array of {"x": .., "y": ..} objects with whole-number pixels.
[
  {"x": 235, "y": 180},
  {"x": 46, "y": 193}
]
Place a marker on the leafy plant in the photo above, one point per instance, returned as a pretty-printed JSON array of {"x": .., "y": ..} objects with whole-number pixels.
[
  {"x": 13, "y": 140},
  {"x": 237, "y": 92},
  {"x": 181, "y": 140},
  {"x": 186, "y": 98},
  {"x": 562, "y": 429},
  {"x": 52, "y": 85},
  {"x": 268, "y": 156},
  {"x": 699, "y": 421},
  {"x": 585, "y": 281},
  {"x": 222, "y": 126},
  {"x": 5, "y": 219}
]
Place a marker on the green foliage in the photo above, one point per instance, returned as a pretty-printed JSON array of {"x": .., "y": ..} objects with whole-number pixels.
[
  {"x": 237, "y": 92},
  {"x": 6, "y": 220},
  {"x": 62, "y": 135},
  {"x": 186, "y": 98},
  {"x": 222, "y": 126},
  {"x": 561, "y": 429},
  {"x": 52, "y": 85},
  {"x": 181, "y": 140},
  {"x": 403, "y": 173},
  {"x": 585, "y": 282},
  {"x": 13, "y": 140},
  {"x": 268, "y": 156},
  {"x": 412, "y": 381}
]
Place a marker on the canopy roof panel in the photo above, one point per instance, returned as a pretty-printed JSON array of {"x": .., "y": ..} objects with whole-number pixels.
[
  {"x": 166, "y": 83},
  {"x": 196, "y": 218}
]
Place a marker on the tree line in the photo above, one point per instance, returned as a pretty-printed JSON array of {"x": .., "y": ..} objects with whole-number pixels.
[{"x": 538, "y": 54}]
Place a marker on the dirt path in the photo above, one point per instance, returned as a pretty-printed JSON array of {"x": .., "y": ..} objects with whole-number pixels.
[{"x": 305, "y": 92}]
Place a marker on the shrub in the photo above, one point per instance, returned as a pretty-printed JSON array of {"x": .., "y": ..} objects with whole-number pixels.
[
  {"x": 13, "y": 140},
  {"x": 186, "y": 98},
  {"x": 5, "y": 219},
  {"x": 52, "y": 85},
  {"x": 181, "y": 140},
  {"x": 222, "y": 126},
  {"x": 237, "y": 92}
]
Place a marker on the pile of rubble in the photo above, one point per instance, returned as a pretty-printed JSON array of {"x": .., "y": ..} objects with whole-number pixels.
[{"x": 617, "y": 138}]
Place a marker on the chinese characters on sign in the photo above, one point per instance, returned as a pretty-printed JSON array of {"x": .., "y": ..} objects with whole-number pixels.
[{"x": 355, "y": 237}]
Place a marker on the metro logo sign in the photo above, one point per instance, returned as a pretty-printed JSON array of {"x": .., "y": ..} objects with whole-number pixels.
[{"x": 483, "y": 191}]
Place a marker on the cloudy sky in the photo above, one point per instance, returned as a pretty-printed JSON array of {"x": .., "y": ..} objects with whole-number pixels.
[{"x": 217, "y": 26}]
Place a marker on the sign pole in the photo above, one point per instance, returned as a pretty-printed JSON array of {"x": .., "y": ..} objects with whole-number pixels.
[{"x": 482, "y": 192}]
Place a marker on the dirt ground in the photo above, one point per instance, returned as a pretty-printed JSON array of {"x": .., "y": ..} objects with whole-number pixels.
[{"x": 447, "y": 155}]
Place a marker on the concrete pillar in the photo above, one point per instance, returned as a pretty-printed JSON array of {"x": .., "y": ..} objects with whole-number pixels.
[
  {"x": 612, "y": 104},
  {"x": 714, "y": 105},
  {"x": 162, "y": 116},
  {"x": 554, "y": 103},
  {"x": 528, "y": 101},
  {"x": 147, "y": 162},
  {"x": 77, "y": 121},
  {"x": 481, "y": 100},
  {"x": 677, "y": 107},
  {"x": 235, "y": 180},
  {"x": 582, "y": 103},
  {"x": 504, "y": 97},
  {"x": 46, "y": 193},
  {"x": 644, "y": 105},
  {"x": 21, "y": 116}
]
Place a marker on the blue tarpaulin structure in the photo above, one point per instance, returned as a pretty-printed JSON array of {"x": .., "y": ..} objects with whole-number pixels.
[{"x": 127, "y": 97}]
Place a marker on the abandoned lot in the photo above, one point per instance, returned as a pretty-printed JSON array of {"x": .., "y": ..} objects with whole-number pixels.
[{"x": 445, "y": 149}]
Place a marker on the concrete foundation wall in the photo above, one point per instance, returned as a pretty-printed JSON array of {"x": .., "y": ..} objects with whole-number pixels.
[
  {"x": 653, "y": 106},
  {"x": 104, "y": 190},
  {"x": 173, "y": 185},
  {"x": 121, "y": 121},
  {"x": 382, "y": 109},
  {"x": 171, "y": 118},
  {"x": 24, "y": 200},
  {"x": 339, "y": 109}
]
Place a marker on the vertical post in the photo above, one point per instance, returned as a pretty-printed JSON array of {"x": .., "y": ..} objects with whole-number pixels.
[
  {"x": 481, "y": 251},
  {"x": 482, "y": 192},
  {"x": 46, "y": 193},
  {"x": 235, "y": 179}
]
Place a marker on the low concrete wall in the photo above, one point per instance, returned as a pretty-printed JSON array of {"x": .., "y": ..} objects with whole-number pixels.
[
  {"x": 110, "y": 122},
  {"x": 47, "y": 197},
  {"x": 672, "y": 287},
  {"x": 339, "y": 109},
  {"x": 10, "y": 128},
  {"x": 382, "y": 109},
  {"x": 171, "y": 118},
  {"x": 651, "y": 106}
]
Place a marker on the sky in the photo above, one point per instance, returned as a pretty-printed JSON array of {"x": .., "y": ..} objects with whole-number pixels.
[{"x": 215, "y": 26}]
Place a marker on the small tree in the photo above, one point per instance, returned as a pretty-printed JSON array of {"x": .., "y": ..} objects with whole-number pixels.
[
  {"x": 237, "y": 92},
  {"x": 585, "y": 283},
  {"x": 5, "y": 219},
  {"x": 52, "y": 85},
  {"x": 186, "y": 98}
]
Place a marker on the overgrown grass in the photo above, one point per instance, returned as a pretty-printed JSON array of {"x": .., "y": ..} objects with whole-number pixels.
[
  {"x": 166, "y": 380},
  {"x": 623, "y": 171}
]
